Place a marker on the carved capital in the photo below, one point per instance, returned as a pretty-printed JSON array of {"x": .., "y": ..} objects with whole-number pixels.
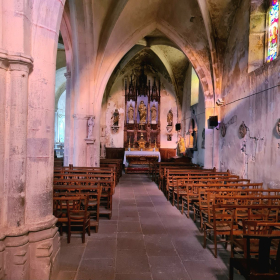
[{"x": 15, "y": 61}]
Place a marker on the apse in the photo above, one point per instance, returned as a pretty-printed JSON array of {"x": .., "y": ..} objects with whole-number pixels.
[{"x": 158, "y": 65}]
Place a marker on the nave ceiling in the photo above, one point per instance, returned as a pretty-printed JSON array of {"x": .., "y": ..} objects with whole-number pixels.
[{"x": 103, "y": 32}]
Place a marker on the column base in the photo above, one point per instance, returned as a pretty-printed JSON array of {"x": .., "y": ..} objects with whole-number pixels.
[{"x": 30, "y": 253}]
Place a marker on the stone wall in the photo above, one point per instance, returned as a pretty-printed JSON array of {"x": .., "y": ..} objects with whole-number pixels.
[{"x": 256, "y": 156}]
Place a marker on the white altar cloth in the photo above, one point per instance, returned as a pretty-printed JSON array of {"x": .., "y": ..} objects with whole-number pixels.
[{"x": 140, "y": 153}]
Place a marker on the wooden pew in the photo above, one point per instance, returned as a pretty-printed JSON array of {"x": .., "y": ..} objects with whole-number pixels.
[
  {"x": 159, "y": 165},
  {"x": 187, "y": 189},
  {"x": 87, "y": 170},
  {"x": 224, "y": 219},
  {"x": 89, "y": 181},
  {"x": 118, "y": 162},
  {"x": 195, "y": 178}
]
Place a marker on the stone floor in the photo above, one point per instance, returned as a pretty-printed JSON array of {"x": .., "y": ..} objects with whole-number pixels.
[{"x": 147, "y": 238}]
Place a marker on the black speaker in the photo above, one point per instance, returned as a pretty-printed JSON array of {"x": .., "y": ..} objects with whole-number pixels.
[
  {"x": 178, "y": 126},
  {"x": 213, "y": 121}
]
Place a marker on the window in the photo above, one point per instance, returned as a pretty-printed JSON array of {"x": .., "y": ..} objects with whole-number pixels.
[
  {"x": 273, "y": 17},
  {"x": 263, "y": 36},
  {"x": 194, "y": 88}
]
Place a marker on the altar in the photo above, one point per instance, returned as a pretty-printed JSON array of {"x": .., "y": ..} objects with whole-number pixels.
[{"x": 139, "y": 161}]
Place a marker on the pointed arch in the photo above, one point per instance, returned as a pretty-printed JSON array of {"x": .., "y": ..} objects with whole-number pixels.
[{"x": 203, "y": 72}]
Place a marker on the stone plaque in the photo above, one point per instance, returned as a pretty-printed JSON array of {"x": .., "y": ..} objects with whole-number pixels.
[{"x": 242, "y": 130}]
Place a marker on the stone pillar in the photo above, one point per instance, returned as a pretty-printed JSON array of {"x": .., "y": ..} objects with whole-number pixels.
[
  {"x": 68, "y": 140},
  {"x": 79, "y": 136},
  {"x": 3, "y": 70},
  {"x": 13, "y": 150},
  {"x": 211, "y": 138},
  {"x": 55, "y": 126}
]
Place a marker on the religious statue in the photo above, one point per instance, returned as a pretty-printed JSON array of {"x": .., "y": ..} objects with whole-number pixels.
[
  {"x": 278, "y": 127},
  {"x": 142, "y": 109},
  {"x": 90, "y": 124},
  {"x": 130, "y": 114},
  {"x": 154, "y": 114},
  {"x": 170, "y": 117},
  {"x": 116, "y": 118},
  {"x": 182, "y": 145}
]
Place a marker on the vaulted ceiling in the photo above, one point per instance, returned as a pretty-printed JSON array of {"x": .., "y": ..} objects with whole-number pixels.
[{"x": 177, "y": 31}]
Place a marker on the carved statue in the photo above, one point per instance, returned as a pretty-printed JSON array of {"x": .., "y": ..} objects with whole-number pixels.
[
  {"x": 130, "y": 114},
  {"x": 154, "y": 114},
  {"x": 116, "y": 118},
  {"x": 170, "y": 117},
  {"x": 90, "y": 124},
  {"x": 182, "y": 145},
  {"x": 142, "y": 109}
]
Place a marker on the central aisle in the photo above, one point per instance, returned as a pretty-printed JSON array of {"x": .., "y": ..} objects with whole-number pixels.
[{"x": 147, "y": 238}]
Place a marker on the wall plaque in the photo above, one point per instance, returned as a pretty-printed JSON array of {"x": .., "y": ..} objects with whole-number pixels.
[{"x": 242, "y": 130}]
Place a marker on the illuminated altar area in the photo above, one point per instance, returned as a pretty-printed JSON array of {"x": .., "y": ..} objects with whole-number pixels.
[{"x": 140, "y": 108}]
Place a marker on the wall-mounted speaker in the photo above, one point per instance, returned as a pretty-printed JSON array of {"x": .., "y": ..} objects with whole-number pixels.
[
  {"x": 178, "y": 126},
  {"x": 213, "y": 121}
]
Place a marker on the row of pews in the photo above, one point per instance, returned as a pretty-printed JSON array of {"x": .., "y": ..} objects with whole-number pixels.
[
  {"x": 82, "y": 194},
  {"x": 230, "y": 210}
]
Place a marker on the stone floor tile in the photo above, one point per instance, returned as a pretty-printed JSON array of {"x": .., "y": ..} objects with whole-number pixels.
[
  {"x": 138, "y": 276},
  {"x": 132, "y": 241},
  {"x": 101, "y": 249},
  {"x": 144, "y": 204},
  {"x": 96, "y": 269},
  {"x": 129, "y": 216},
  {"x": 105, "y": 228},
  {"x": 70, "y": 257},
  {"x": 132, "y": 261},
  {"x": 129, "y": 226},
  {"x": 152, "y": 227},
  {"x": 205, "y": 270},
  {"x": 159, "y": 245},
  {"x": 168, "y": 268},
  {"x": 102, "y": 236},
  {"x": 69, "y": 275}
]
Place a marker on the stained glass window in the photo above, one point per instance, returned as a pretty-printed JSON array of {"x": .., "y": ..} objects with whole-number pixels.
[{"x": 273, "y": 30}]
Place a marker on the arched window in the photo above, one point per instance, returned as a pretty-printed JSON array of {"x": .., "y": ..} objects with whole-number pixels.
[{"x": 273, "y": 18}]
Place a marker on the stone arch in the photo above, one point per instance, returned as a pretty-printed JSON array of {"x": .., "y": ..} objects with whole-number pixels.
[
  {"x": 201, "y": 69},
  {"x": 60, "y": 83},
  {"x": 66, "y": 33}
]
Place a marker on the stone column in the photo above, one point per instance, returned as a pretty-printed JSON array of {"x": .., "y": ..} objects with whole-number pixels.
[
  {"x": 3, "y": 71},
  {"x": 55, "y": 125},
  {"x": 68, "y": 140},
  {"x": 14, "y": 159}
]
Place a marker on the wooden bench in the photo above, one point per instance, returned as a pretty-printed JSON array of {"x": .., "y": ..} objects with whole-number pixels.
[
  {"x": 225, "y": 218},
  {"x": 89, "y": 181}
]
